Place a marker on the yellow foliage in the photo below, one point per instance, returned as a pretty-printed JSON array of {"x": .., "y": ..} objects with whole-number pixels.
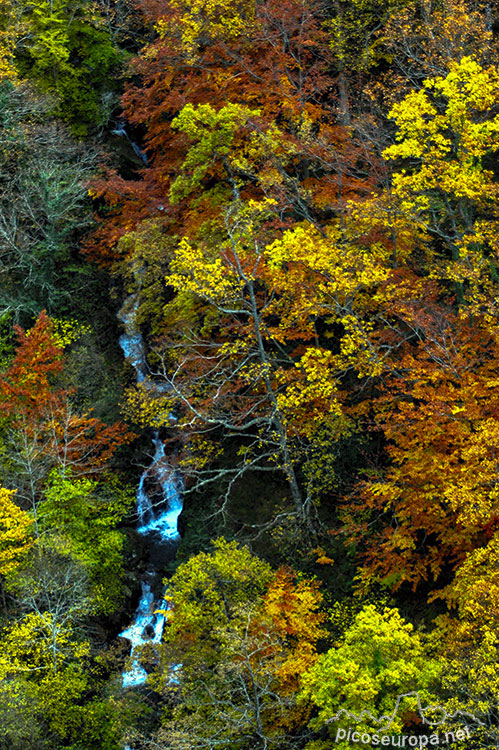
[
  {"x": 312, "y": 396},
  {"x": 198, "y": 269},
  {"x": 448, "y": 127},
  {"x": 352, "y": 38},
  {"x": 16, "y": 528},
  {"x": 38, "y": 643},
  {"x": 201, "y": 20},
  {"x": 333, "y": 278},
  {"x": 11, "y": 28},
  {"x": 146, "y": 407},
  {"x": 65, "y": 332},
  {"x": 322, "y": 557},
  {"x": 475, "y": 589}
]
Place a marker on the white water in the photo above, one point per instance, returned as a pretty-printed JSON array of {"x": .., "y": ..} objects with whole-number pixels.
[
  {"x": 147, "y": 627},
  {"x": 157, "y": 520},
  {"x": 122, "y": 131},
  {"x": 165, "y": 522},
  {"x": 131, "y": 341}
]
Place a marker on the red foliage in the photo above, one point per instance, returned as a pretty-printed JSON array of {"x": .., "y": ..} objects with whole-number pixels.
[
  {"x": 281, "y": 66},
  {"x": 34, "y": 403},
  {"x": 439, "y": 414}
]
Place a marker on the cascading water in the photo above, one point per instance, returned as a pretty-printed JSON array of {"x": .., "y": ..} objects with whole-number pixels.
[
  {"x": 121, "y": 130},
  {"x": 164, "y": 523},
  {"x": 157, "y": 520},
  {"x": 147, "y": 627}
]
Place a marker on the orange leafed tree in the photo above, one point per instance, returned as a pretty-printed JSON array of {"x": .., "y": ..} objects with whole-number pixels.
[
  {"x": 293, "y": 607},
  {"x": 439, "y": 412},
  {"x": 38, "y": 417},
  {"x": 278, "y": 63}
]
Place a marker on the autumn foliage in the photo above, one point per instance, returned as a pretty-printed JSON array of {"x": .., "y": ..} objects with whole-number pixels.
[
  {"x": 270, "y": 63},
  {"x": 296, "y": 222},
  {"x": 33, "y": 403}
]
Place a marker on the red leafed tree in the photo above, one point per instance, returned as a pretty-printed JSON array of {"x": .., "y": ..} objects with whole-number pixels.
[
  {"x": 279, "y": 62},
  {"x": 40, "y": 428},
  {"x": 436, "y": 500},
  {"x": 28, "y": 383}
]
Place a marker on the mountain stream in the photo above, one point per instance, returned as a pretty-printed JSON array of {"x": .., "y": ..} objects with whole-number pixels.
[{"x": 157, "y": 510}]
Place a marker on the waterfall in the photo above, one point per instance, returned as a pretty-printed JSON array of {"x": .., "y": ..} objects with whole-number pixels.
[
  {"x": 164, "y": 523},
  {"x": 121, "y": 130},
  {"x": 157, "y": 519},
  {"x": 147, "y": 627}
]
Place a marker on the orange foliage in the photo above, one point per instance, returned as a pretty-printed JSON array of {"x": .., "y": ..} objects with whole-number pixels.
[
  {"x": 34, "y": 404},
  {"x": 439, "y": 412},
  {"x": 281, "y": 65},
  {"x": 296, "y": 618}
]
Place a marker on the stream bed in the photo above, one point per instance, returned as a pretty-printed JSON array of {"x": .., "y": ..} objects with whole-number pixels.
[{"x": 159, "y": 505}]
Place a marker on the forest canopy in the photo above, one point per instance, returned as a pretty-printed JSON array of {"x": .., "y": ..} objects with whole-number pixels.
[{"x": 249, "y": 351}]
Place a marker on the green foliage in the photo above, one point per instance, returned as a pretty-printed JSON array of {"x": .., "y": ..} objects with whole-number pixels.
[
  {"x": 85, "y": 514},
  {"x": 44, "y": 206},
  {"x": 214, "y": 134},
  {"x": 58, "y": 695},
  {"x": 379, "y": 658},
  {"x": 146, "y": 256},
  {"x": 208, "y": 589},
  {"x": 70, "y": 570},
  {"x": 68, "y": 53}
]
